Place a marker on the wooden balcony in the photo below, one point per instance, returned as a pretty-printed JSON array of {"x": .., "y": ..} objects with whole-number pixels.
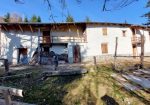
[{"x": 56, "y": 39}]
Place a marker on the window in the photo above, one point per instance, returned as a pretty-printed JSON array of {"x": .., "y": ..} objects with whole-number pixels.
[
  {"x": 104, "y": 31},
  {"x": 104, "y": 48},
  {"x": 124, "y": 33}
]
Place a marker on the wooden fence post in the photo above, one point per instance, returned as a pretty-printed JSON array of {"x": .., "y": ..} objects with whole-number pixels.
[
  {"x": 115, "y": 55},
  {"x": 94, "y": 58},
  {"x": 142, "y": 51}
]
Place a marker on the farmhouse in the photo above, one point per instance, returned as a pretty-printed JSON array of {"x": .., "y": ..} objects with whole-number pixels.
[{"x": 30, "y": 43}]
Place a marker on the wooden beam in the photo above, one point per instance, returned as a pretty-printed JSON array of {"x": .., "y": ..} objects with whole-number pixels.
[
  {"x": 20, "y": 28},
  {"x": 31, "y": 28},
  {"x": 5, "y": 28}
]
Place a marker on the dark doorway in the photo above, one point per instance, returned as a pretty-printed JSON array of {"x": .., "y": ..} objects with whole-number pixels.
[
  {"x": 76, "y": 54},
  {"x": 22, "y": 56}
]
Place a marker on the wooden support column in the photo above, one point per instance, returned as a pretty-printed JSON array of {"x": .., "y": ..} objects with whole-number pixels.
[
  {"x": 115, "y": 55},
  {"x": 142, "y": 51}
]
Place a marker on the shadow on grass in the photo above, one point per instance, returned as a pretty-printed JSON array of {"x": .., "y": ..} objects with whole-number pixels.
[
  {"x": 109, "y": 100},
  {"x": 51, "y": 91}
]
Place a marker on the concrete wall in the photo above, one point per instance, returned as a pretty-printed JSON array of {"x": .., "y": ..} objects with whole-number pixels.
[{"x": 12, "y": 40}]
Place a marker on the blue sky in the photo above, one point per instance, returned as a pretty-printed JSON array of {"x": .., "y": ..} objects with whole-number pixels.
[{"x": 91, "y": 8}]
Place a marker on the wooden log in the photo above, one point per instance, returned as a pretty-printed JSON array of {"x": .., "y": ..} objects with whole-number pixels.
[
  {"x": 12, "y": 91},
  {"x": 65, "y": 73}
]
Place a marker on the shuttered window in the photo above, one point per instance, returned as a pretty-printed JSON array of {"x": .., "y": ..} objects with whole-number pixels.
[
  {"x": 104, "y": 31},
  {"x": 104, "y": 48}
]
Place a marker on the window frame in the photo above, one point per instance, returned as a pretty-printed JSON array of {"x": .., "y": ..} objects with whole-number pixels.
[{"x": 104, "y": 48}]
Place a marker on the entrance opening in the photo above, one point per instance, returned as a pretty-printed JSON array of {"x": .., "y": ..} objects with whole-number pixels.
[
  {"x": 22, "y": 56},
  {"x": 76, "y": 54}
]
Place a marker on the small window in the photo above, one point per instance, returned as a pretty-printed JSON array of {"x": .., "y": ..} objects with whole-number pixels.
[
  {"x": 104, "y": 48},
  {"x": 104, "y": 31},
  {"x": 124, "y": 33}
]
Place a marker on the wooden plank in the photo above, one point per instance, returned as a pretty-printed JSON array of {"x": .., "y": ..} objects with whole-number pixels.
[{"x": 65, "y": 73}]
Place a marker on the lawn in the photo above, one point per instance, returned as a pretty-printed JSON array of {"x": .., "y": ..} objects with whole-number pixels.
[{"x": 97, "y": 87}]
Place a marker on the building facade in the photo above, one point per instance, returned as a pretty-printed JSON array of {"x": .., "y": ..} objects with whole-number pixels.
[{"x": 29, "y": 43}]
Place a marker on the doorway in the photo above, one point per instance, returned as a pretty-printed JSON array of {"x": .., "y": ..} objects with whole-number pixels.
[
  {"x": 76, "y": 54},
  {"x": 22, "y": 56}
]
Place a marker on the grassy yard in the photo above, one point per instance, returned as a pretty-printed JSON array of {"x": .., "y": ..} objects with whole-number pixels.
[{"x": 95, "y": 88}]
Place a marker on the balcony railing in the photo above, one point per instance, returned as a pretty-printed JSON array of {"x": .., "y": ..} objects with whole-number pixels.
[{"x": 56, "y": 39}]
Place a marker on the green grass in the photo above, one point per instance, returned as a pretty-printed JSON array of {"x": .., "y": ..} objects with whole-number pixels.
[{"x": 74, "y": 90}]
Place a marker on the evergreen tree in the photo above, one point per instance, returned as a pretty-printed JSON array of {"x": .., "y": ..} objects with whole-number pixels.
[
  {"x": 39, "y": 19},
  {"x": 87, "y": 19},
  {"x": 26, "y": 19},
  {"x": 7, "y": 17},
  {"x": 33, "y": 18},
  {"x": 147, "y": 15},
  {"x": 69, "y": 18}
]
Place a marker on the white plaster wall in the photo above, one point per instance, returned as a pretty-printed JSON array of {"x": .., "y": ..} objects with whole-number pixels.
[
  {"x": 12, "y": 40},
  {"x": 147, "y": 41},
  {"x": 95, "y": 38}
]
